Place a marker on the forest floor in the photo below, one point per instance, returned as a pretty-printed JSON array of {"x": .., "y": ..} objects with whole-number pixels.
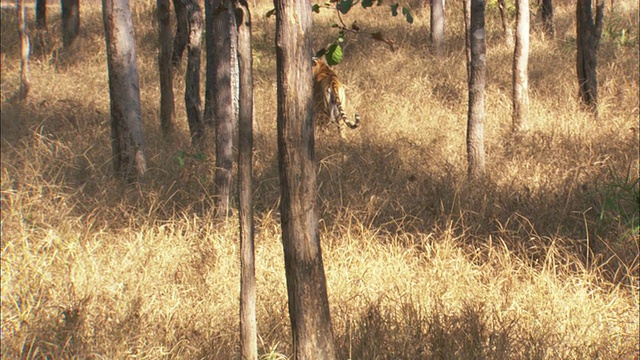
[{"x": 539, "y": 260}]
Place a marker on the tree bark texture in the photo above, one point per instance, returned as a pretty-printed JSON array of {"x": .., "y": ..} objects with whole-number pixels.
[
  {"x": 520, "y": 99},
  {"x": 182, "y": 32},
  {"x": 547, "y": 17},
  {"x": 165, "y": 37},
  {"x": 475, "y": 120},
  {"x": 588, "y": 36},
  {"x": 192, "y": 100},
  {"x": 25, "y": 49},
  {"x": 219, "y": 98},
  {"x": 70, "y": 21},
  {"x": 126, "y": 124},
  {"x": 248, "y": 326},
  {"x": 466, "y": 7},
  {"x": 41, "y": 14},
  {"x": 306, "y": 284},
  {"x": 437, "y": 25},
  {"x": 508, "y": 33}
]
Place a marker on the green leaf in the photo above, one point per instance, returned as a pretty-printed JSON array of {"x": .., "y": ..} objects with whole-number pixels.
[
  {"x": 407, "y": 14},
  {"x": 334, "y": 55},
  {"x": 367, "y": 3},
  {"x": 345, "y": 5},
  {"x": 394, "y": 9},
  {"x": 200, "y": 156},
  {"x": 271, "y": 12},
  {"x": 379, "y": 3},
  {"x": 315, "y": 8}
]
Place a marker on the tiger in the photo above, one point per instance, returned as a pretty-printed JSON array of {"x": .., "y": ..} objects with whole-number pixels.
[{"x": 329, "y": 97}]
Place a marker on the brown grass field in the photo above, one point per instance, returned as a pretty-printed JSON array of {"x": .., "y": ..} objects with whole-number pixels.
[{"x": 538, "y": 261}]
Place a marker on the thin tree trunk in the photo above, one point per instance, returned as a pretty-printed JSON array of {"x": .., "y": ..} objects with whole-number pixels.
[
  {"x": 167, "y": 101},
  {"x": 508, "y": 33},
  {"x": 588, "y": 37},
  {"x": 306, "y": 283},
  {"x": 25, "y": 49},
  {"x": 182, "y": 32},
  {"x": 520, "y": 67},
  {"x": 70, "y": 22},
  {"x": 126, "y": 124},
  {"x": 248, "y": 326},
  {"x": 437, "y": 25},
  {"x": 547, "y": 18},
  {"x": 41, "y": 14},
  {"x": 475, "y": 125},
  {"x": 192, "y": 99},
  {"x": 219, "y": 98},
  {"x": 466, "y": 7}
]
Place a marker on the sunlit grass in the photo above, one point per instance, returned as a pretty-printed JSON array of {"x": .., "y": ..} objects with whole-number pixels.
[{"x": 539, "y": 261}]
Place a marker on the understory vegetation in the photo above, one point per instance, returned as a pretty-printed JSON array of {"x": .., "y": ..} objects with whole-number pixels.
[{"x": 540, "y": 260}]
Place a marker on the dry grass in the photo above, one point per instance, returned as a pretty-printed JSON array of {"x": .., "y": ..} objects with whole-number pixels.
[{"x": 538, "y": 262}]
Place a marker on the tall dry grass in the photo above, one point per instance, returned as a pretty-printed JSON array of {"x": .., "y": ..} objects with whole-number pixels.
[{"x": 540, "y": 261}]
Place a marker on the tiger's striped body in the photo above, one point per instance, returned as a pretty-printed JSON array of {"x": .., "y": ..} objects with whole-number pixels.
[{"x": 329, "y": 96}]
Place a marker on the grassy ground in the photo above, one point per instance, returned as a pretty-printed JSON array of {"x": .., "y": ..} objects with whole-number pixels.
[{"x": 540, "y": 261}]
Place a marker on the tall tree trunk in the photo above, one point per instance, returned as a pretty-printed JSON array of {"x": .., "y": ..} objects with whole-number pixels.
[
  {"x": 508, "y": 33},
  {"x": 475, "y": 120},
  {"x": 437, "y": 25},
  {"x": 588, "y": 38},
  {"x": 520, "y": 68},
  {"x": 248, "y": 326},
  {"x": 219, "y": 98},
  {"x": 182, "y": 32},
  {"x": 306, "y": 284},
  {"x": 41, "y": 14},
  {"x": 167, "y": 101},
  {"x": 466, "y": 7},
  {"x": 70, "y": 22},
  {"x": 192, "y": 99},
  {"x": 25, "y": 49},
  {"x": 547, "y": 18},
  {"x": 126, "y": 124}
]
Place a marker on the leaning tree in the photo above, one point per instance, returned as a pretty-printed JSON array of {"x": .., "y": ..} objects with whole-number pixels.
[{"x": 306, "y": 283}]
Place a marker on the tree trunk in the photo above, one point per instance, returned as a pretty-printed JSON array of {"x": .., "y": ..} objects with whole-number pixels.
[
  {"x": 167, "y": 101},
  {"x": 437, "y": 25},
  {"x": 520, "y": 66},
  {"x": 192, "y": 99},
  {"x": 182, "y": 32},
  {"x": 306, "y": 284},
  {"x": 70, "y": 22},
  {"x": 475, "y": 126},
  {"x": 588, "y": 38},
  {"x": 547, "y": 18},
  {"x": 508, "y": 33},
  {"x": 219, "y": 98},
  {"x": 248, "y": 326},
  {"x": 126, "y": 123},
  {"x": 466, "y": 7},
  {"x": 41, "y": 14},
  {"x": 25, "y": 49}
]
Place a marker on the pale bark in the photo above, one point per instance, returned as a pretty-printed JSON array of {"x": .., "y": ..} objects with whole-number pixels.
[
  {"x": 126, "y": 123},
  {"x": 506, "y": 26},
  {"x": 306, "y": 283},
  {"x": 25, "y": 50},
  {"x": 520, "y": 99},
  {"x": 475, "y": 124},
  {"x": 437, "y": 26}
]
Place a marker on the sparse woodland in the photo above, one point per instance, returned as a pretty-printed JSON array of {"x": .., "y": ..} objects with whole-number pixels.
[{"x": 538, "y": 259}]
